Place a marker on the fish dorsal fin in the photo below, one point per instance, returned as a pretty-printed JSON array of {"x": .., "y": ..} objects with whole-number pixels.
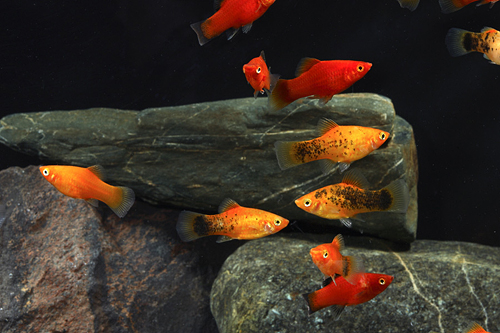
[
  {"x": 98, "y": 171},
  {"x": 227, "y": 204},
  {"x": 305, "y": 64},
  {"x": 475, "y": 328},
  {"x": 485, "y": 29},
  {"x": 262, "y": 55},
  {"x": 325, "y": 125},
  {"x": 355, "y": 178},
  {"x": 338, "y": 242}
]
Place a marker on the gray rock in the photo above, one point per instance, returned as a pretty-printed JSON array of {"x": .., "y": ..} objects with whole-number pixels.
[
  {"x": 194, "y": 156},
  {"x": 438, "y": 286}
]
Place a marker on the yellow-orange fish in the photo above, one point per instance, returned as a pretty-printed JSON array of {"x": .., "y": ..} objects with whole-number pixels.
[
  {"x": 350, "y": 198},
  {"x": 460, "y": 42},
  {"x": 336, "y": 144},
  {"x": 232, "y": 222},
  {"x": 86, "y": 184}
]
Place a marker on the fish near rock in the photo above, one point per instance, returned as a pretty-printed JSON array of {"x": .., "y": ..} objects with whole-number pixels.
[
  {"x": 259, "y": 76},
  {"x": 460, "y": 42}
]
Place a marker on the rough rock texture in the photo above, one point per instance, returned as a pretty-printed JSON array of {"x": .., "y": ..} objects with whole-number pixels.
[
  {"x": 438, "y": 286},
  {"x": 67, "y": 267},
  {"x": 194, "y": 156}
]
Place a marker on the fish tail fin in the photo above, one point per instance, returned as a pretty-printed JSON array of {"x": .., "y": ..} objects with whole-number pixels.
[
  {"x": 280, "y": 96},
  {"x": 409, "y": 4},
  {"x": 199, "y": 32},
  {"x": 311, "y": 307},
  {"x": 352, "y": 266},
  {"x": 455, "y": 42},
  {"x": 450, "y": 6},
  {"x": 400, "y": 196},
  {"x": 185, "y": 225},
  {"x": 285, "y": 153},
  {"x": 126, "y": 198}
]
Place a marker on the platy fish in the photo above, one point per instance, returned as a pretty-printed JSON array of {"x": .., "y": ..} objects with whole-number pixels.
[
  {"x": 318, "y": 79},
  {"x": 232, "y": 222},
  {"x": 87, "y": 184},
  {"x": 332, "y": 263},
  {"x": 351, "y": 197},
  {"x": 336, "y": 144},
  {"x": 230, "y": 16},
  {"x": 450, "y": 6},
  {"x": 460, "y": 42},
  {"x": 342, "y": 293},
  {"x": 259, "y": 76},
  {"x": 475, "y": 328}
]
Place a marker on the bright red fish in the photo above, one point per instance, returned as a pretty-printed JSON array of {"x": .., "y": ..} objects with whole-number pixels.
[
  {"x": 476, "y": 328},
  {"x": 332, "y": 263},
  {"x": 342, "y": 293},
  {"x": 86, "y": 184},
  {"x": 259, "y": 76},
  {"x": 232, "y": 222},
  {"x": 231, "y": 15},
  {"x": 450, "y": 6},
  {"x": 460, "y": 42},
  {"x": 318, "y": 79}
]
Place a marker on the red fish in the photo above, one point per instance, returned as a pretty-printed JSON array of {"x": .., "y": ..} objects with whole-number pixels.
[
  {"x": 450, "y": 6},
  {"x": 342, "y": 293},
  {"x": 259, "y": 76},
  {"x": 332, "y": 263},
  {"x": 231, "y": 15},
  {"x": 475, "y": 328},
  {"x": 318, "y": 79},
  {"x": 232, "y": 222},
  {"x": 460, "y": 42},
  {"x": 86, "y": 184}
]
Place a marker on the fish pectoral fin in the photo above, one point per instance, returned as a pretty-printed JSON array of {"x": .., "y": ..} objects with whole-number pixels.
[
  {"x": 337, "y": 310},
  {"x": 223, "y": 239},
  {"x": 231, "y": 32},
  {"x": 93, "y": 202}
]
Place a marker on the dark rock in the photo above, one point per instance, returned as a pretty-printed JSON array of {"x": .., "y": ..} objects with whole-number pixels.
[
  {"x": 194, "y": 156},
  {"x": 438, "y": 286},
  {"x": 67, "y": 267}
]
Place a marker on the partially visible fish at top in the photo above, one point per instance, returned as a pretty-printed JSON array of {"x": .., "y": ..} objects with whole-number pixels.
[
  {"x": 351, "y": 197},
  {"x": 259, "y": 76},
  {"x": 475, "y": 328},
  {"x": 409, "y": 4},
  {"x": 86, "y": 184},
  {"x": 336, "y": 144},
  {"x": 450, "y": 6},
  {"x": 231, "y": 15},
  {"x": 460, "y": 42}
]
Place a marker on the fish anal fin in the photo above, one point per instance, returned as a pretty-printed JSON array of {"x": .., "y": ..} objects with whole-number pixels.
[
  {"x": 98, "y": 171},
  {"x": 93, "y": 202},
  {"x": 305, "y": 64},
  {"x": 223, "y": 239},
  {"x": 325, "y": 125},
  {"x": 337, "y": 310},
  {"x": 227, "y": 204},
  {"x": 355, "y": 178},
  {"x": 246, "y": 28},
  {"x": 338, "y": 242},
  {"x": 327, "y": 166}
]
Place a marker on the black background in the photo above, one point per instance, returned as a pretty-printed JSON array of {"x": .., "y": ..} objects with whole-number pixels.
[{"x": 64, "y": 55}]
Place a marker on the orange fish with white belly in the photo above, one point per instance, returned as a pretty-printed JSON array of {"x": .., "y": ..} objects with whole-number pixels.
[
  {"x": 232, "y": 222},
  {"x": 351, "y": 197},
  {"x": 336, "y": 144},
  {"x": 86, "y": 184},
  {"x": 460, "y": 42}
]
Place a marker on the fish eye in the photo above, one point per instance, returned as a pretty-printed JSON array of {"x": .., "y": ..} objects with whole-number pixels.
[
  {"x": 381, "y": 136},
  {"x": 258, "y": 70},
  {"x": 381, "y": 281},
  {"x": 307, "y": 202},
  {"x": 361, "y": 68},
  {"x": 45, "y": 172},
  {"x": 277, "y": 222},
  {"x": 325, "y": 255}
]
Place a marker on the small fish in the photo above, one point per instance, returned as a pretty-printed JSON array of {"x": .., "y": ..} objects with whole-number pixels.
[
  {"x": 450, "y": 6},
  {"x": 351, "y": 197},
  {"x": 342, "y": 293},
  {"x": 409, "y": 4},
  {"x": 259, "y": 76},
  {"x": 460, "y": 42},
  {"x": 332, "y": 263},
  {"x": 475, "y": 328},
  {"x": 232, "y": 222},
  {"x": 230, "y": 15},
  {"x": 87, "y": 184},
  {"x": 336, "y": 144},
  {"x": 318, "y": 79}
]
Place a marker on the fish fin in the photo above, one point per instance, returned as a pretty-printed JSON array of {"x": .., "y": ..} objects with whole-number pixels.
[
  {"x": 246, "y": 28},
  {"x": 263, "y": 56},
  {"x": 231, "y": 32},
  {"x": 98, "y": 171},
  {"x": 450, "y": 6},
  {"x": 310, "y": 307},
  {"x": 255, "y": 93},
  {"x": 338, "y": 242},
  {"x": 409, "y": 4},
  {"x": 400, "y": 196},
  {"x": 343, "y": 166},
  {"x": 325, "y": 125},
  {"x": 486, "y": 29},
  {"x": 327, "y": 281},
  {"x": 273, "y": 79},
  {"x": 347, "y": 222},
  {"x": 227, "y": 204},
  {"x": 354, "y": 177},
  {"x": 304, "y": 65},
  {"x": 185, "y": 225},
  {"x": 223, "y": 239},
  {"x": 127, "y": 200},
  {"x": 337, "y": 310},
  {"x": 474, "y": 328},
  {"x": 284, "y": 153},
  {"x": 327, "y": 166},
  {"x": 351, "y": 267},
  {"x": 324, "y": 100},
  {"x": 280, "y": 96},
  {"x": 491, "y": 4},
  {"x": 454, "y": 41},
  {"x": 199, "y": 32},
  {"x": 93, "y": 202}
]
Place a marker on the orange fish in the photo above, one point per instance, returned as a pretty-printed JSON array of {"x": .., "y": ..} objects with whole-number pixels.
[
  {"x": 259, "y": 76},
  {"x": 460, "y": 42},
  {"x": 232, "y": 222},
  {"x": 318, "y": 79},
  {"x": 231, "y": 15},
  {"x": 336, "y": 144},
  {"x": 342, "y": 294},
  {"x": 475, "y": 328},
  {"x": 409, "y": 4},
  {"x": 86, "y": 184},
  {"x": 450, "y": 6},
  {"x": 332, "y": 263},
  {"x": 349, "y": 198}
]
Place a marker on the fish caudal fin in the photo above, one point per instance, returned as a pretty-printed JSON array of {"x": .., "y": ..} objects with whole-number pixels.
[
  {"x": 284, "y": 153},
  {"x": 127, "y": 199},
  {"x": 185, "y": 225},
  {"x": 400, "y": 196},
  {"x": 409, "y": 4},
  {"x": 450, "y": 6},
  {"x": 280, "y": 96},
  {"x": 351, "y": 267},
  {"x": 199, "y": 32},
  {"x": 455, "y": 42},
  {"x": 311, "y": 307}
]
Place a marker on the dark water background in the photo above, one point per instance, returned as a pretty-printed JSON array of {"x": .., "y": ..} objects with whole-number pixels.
[{"x": 64, "y": 55}]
